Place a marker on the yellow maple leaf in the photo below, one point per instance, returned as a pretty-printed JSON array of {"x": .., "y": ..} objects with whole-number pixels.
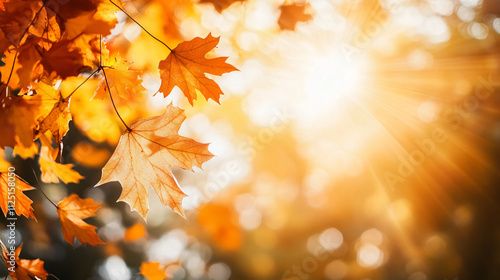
[
  {"x": 120, "y": 78},
  {"x": 144, "y": 156}
]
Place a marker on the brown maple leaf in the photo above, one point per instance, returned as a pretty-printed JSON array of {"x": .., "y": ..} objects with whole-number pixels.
[
  {"x": 186, "y": 66},
  {"x": 72, "y": 210},
  {"x": 291, "y": 15},
  {"x": 13, "y": 185},
  {"x": 64, "y": 59},
  {"x": 22, "y": 269},
  {"x": 221, "y": 5},
  {"x": 144, "y": 157}
]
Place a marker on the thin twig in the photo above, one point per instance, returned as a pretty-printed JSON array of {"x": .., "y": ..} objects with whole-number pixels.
[
  {"x": 19, "y": 43},
  {"x": 100, "y": 50},
  {"x": 11, "y": 71},
  {"x": 140, "y": 25},
  {"x": 93, "y": 73},
  {"x": 50, "y": 274}
]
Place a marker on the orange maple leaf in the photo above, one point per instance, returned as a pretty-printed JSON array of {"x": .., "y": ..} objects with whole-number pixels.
[
  {"x": 72, "y": 210},
  {"x": 23, "y": 203},
  {"x": 54, "y": 112},
  {"x": 186, "y": 66},
  {"x": 120, "y": 78},
  {"x": 152, "y": 271},
  {"x": 17, "y": 122},
  {"x": 144, "y": 156},
  {"x": 22, "y": 269}
]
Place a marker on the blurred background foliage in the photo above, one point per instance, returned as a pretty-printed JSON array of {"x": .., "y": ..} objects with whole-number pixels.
[{"x": 358, "y": 141}]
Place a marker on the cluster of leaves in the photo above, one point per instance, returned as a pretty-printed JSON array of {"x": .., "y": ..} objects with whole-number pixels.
[{"x": 47, "y": 47}]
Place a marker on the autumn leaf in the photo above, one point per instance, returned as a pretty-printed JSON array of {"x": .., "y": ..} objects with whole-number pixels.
[
  {"x": 144, "y": 157},
  {"x": 52, "y": 171},
  {"x": 152, "y": 271},
  {"x": 15, "y": 18},
  {"x": 54, "y": 112},
  {"x": 22, "y": 202},
  {"x": 72, "y": 210},
  {"x": 99, "y": 19},
  {"x": 221, "y": 5},
  {"x": 63, "y": 60},
  {"x": 121, "y": 78},
  {"x": 186, "y": 67},
  {"x": 291, "y": 15},
  {"x": 22, "y": 269},
  {"x": 17, "y": 122}
]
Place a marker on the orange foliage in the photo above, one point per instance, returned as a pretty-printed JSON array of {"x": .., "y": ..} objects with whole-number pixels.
[
  {"x": 22, "y": 269},
  {"x": 218, "y": 221},
  {"x": 71, "y": 211},
  {"x": 186, "y": 66}
]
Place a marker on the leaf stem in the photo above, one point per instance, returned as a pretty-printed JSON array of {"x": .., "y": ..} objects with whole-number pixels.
[
  {"x": 40, "y": 188},
  {"x": 107, "y": 84},
  {"x": 113, "y": 102},
  {"x": 140, "y": 25}
]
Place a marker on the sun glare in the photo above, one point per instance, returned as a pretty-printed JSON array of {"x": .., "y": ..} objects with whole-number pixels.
[{"x": 332, "y": 78}]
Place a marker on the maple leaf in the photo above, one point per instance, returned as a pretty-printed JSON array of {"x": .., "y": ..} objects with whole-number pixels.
[
  {"x": 221, "y": 5},
  {"x": 63, "y": 60},
  {"x": 53, "y": 171},
  {"x": 152, "y": 271},
  {"x": 54, "y": 112},
  {"x": 144, "y": 156},
  {"x": 120, "y": 78},
  {"x": 22, "y": 268},
  {"x": 18, "y": 120},
  {"x": 72, "y": 210},
  {"x": 88, "y": 17},
  {"x": 26, "y": 117},
  {"x": 23, "y": 203},
  {"x": 186, "y": 66},
  {"x": 291, "y": 15},
  {"x": 16, "y": 17}
]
